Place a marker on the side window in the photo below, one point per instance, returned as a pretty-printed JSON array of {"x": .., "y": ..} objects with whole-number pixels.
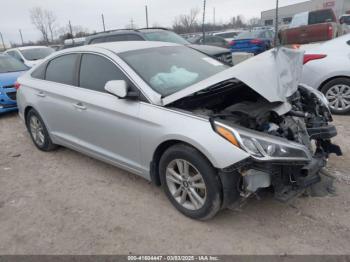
[
  {"x": 116, "y": 38},
  {"x": 98, "y": 40},
  {"x": 96, "y": 71},
  {"x": 39, "y": 73},
  {"x": 62, "y": 69},
  {"x": 134, "y": 38}
]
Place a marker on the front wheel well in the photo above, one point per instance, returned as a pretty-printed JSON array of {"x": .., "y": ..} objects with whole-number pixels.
[
  {"x": 331, "y": 79},
  {"x": 154, "y": 165},
  {"x": 26, "y": 111}
]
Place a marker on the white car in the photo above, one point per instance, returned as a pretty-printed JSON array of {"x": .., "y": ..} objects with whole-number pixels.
[
  {"x": 30, "y": 55},
  {"x": 327, "y": 68},
  {"x": 228, "y": 35}
]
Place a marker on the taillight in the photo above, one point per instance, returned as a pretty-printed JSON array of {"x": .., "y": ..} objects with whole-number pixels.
[
  {"x": 308, "y": 58},
  {"x": 17, "y": 85},
  {"x": 256, "y": 41},
  {"x": 232, "y": 43},
  {"x": 330, "y": 32}
]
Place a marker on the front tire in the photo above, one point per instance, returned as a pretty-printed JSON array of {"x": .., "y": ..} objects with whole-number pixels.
[
  {"x": 38, "y": 132},
  {"x": 337, "y": 92},
  {"x": 190, "y": 182}
]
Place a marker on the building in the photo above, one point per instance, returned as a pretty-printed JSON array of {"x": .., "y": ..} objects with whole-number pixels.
[{"x": 286, "y": 13}]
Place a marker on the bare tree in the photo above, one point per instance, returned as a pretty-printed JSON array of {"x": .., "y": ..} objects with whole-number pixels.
[
  {"x": 50, "y": 18},
  {"x": 38, "y": 19},
  {"x": 187, "y": 22}
]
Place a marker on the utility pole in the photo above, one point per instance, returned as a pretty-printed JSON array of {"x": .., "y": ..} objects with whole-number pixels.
[
  {"x": 146, "y": 10},
  {"x": 276, "y": 25},
  {"x": 70, "y": 29},
  {"x": 3, "y": 43},
  {"x": 214, "y": 16},
  {"x": 103, "y": 23},
  {"x": 132, "y": 23},
  {"x": 20, "y": 33},
  {"x": 203, "y": 29},
  {"x": 71, "y": 32}
]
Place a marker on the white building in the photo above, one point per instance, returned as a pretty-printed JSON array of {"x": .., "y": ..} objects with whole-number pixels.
[{"x": 286, "y": 13}]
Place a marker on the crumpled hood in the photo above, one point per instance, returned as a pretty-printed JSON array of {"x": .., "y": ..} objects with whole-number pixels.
[{"x": 274, "y": 75}]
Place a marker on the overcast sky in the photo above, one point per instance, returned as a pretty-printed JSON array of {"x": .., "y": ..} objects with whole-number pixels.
[{"x": 87, "y": 13}]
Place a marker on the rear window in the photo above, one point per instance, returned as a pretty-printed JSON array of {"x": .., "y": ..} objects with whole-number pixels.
[
  {"x": 321, "y": 16},
  {"x": 251, "y": 34},
  {"x": 165, "y": 36},
  {"x": 37, "y": 53},
  {"x": 9, "y": 64},
  {"x": 299, "y": 20},
  {"x": 227, "y": 35}
]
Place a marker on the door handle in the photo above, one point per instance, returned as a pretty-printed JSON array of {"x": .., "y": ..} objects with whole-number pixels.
[
  {"x": 41, "y": 94},
  {"x": 80, "y": 106}
]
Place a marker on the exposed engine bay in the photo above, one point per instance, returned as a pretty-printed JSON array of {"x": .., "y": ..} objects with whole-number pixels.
[{"x": 304, "y": 119}]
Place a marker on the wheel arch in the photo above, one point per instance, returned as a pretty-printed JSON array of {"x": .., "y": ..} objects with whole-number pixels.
[
  {"x": 331, "y": 79},
  {"x": 161, "y": 148}
]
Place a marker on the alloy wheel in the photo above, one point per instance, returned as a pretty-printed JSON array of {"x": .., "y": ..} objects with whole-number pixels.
[
  {"x": 186, "y": 184},
  {"x": 339, "y": 97},
  {"x": 37, "y": 130}
]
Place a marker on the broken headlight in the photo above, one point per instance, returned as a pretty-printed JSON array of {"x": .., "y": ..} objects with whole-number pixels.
[{"x": 262, "y": 146}]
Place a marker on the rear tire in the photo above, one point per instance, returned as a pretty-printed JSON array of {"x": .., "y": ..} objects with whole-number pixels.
[
  {"x": 38, "y": 131},
  {"x": 190, "y": 182},
  {"x": 337, "y": 92}
]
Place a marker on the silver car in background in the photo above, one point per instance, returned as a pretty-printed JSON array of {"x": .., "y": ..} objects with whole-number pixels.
[{"x": 209, "y": 134}]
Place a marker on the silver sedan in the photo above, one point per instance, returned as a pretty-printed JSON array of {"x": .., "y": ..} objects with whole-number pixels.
[{"x": 209, "y": 134}]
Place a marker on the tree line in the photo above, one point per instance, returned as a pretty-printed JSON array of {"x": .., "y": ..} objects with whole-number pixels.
[{"x": 45, "y": 21}]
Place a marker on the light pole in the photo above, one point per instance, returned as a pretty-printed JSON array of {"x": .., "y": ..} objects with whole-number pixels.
[
  {"x": 203, "y": 29},
  {"x": 20, "y": 33},
  {"x": 146, "y": 10},
  {"x": 276, "y": 25},
  {"x": 2, "y": 40},
  {"x": 103, "y": 23}
]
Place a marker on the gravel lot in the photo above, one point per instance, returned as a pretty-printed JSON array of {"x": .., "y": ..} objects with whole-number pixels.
[{"x": 66, "y": 203}]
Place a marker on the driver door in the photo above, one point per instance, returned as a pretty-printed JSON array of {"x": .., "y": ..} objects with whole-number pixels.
[{"x": 106, "y": 127}]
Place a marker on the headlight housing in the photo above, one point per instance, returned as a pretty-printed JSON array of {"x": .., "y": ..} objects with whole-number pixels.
[{"x": 263, "y": 146}]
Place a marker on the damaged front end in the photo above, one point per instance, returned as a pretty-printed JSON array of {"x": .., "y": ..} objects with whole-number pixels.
[{"x": 288, "y": 139}]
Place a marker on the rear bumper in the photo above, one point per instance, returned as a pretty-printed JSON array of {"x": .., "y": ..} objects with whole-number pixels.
[
  {"x": 255, "y": 50},
  {"x": 6, "y": 103}
]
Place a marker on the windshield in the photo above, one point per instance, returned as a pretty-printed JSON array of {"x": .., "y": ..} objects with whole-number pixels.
[
  {"x": 172, "y": 68},
  {"x": 9, "y": 64},
  {"x": 36, "y": 53},
  {"x": 165, "y": 36},
  {"x": 250, "y": 34}
]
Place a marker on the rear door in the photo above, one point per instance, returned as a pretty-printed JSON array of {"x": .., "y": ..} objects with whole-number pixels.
[{"x": 54, "y": 95}]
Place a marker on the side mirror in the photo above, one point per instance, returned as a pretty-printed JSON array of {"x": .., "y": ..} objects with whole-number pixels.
[{"x": 119, "y": 88}]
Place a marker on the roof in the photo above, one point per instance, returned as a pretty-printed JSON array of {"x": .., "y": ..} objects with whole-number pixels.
[
  {"x": 27, "y": 47},
  {"x": 123, "y": 46}
]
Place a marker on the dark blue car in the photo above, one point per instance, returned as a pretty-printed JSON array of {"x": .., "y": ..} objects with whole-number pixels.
[
  {"x": 10, "y": 70},
  {"x": 255, "y": 41}
]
